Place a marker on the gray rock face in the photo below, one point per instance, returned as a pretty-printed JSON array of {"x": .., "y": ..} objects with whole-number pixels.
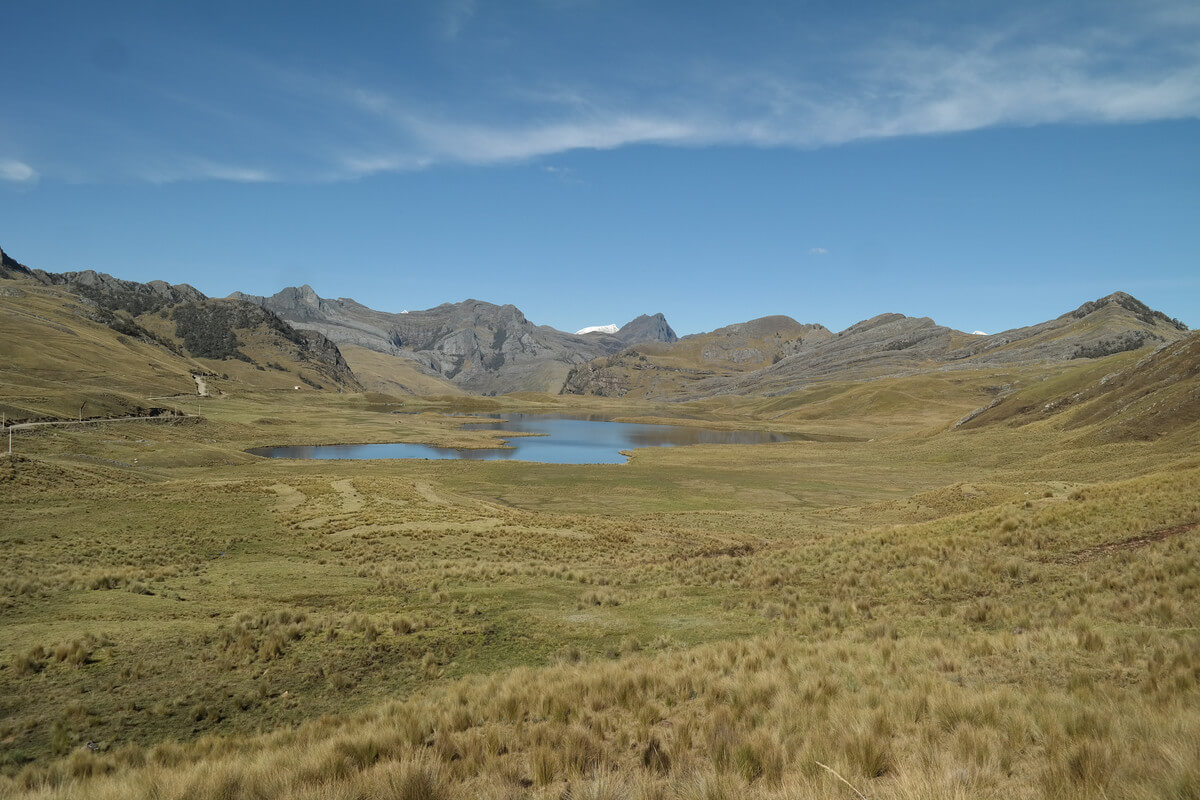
[
  {"x": 647, "y": 328},
  {"x": 479, "y": 346},
  {"x": 342, "y": 321},
  {"x": 115, "y": 294},
  {"x": 10, "y": 268},
  {"x": 597, "y": 378}
]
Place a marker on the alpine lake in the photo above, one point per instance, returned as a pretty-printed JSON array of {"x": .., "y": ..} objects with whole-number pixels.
[{"x": 544, "y": 438}]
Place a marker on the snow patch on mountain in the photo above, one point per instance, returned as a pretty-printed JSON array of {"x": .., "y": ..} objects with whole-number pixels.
[{"x": 598, "y": 329}]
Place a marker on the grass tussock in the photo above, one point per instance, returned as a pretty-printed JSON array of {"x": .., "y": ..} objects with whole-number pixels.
[
  {"x": 789, "y": 622},
  {"x": 582, "y": 731}
]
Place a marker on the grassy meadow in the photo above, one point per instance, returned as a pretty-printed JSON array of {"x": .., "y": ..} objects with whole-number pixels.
[{"x": 895, "y": 610}]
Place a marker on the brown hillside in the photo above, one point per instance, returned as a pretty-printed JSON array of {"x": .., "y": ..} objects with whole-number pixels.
[
  {"x": 88, "y": 345},
  {"x": 1154, "y": 396}
]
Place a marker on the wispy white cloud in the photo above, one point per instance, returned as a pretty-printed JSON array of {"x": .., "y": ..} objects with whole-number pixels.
[
  {"x": 915, "y": 91},
  {"x": 293, "y": 125},
  {"x": 16, "y": 171},
  {"x": 360, "y": 166},
  {"x": 892, "y": 89},
  {"x": 198, "y": 169},
  {"x": 485, "y": 144},
  {"x": 818, "y": 251}
]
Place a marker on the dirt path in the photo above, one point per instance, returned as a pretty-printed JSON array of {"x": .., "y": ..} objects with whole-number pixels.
[
  {"x": 1132, "y": 543},
  {"x": 201, "y": 385},
  {"x": 21, "y": 426}
]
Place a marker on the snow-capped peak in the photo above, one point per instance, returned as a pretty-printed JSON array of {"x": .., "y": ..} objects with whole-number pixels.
[
  {"x": 979, "y": 333},
  {"x": 598, "y": 329}
]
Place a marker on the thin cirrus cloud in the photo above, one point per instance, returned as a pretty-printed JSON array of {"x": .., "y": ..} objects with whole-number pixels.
[
  {"x": 429, "y": 141},
  {"x": 1145, "y": 68},
  {"x": 900, "y": 90},
  {"x": 176, "y": 169}
]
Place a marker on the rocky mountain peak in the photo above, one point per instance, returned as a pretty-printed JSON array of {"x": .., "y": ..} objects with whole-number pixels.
[
  {"x": 297, "y": 303},
  {"x": 10, "y": 268},
  {"x": 647, "y": 328},
  {"x": 881, "y": 320},
  {"x": 1128, "y": 302}
]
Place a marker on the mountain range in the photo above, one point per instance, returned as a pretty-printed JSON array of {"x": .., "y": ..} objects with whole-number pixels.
[
  {"x": 161, "y": 335},
  {"x": 475, "y": 346},
  {"x": 777, "y": 355}
]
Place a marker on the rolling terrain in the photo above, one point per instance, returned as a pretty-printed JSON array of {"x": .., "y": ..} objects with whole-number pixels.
[
  {"x": 734, "y": 361},
  {"x": 971, "y": 573}
]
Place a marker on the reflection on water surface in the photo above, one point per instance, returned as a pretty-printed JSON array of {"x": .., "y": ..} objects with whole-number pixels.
[{"x": 562, "y": 440}]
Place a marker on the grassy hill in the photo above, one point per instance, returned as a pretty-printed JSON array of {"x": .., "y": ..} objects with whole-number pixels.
[
  {"x": 380, "y": 372},
  {"x": 1142, "y": 399},
  {"x": 98, "y": 347},
  {"x": 657, "y": 370}
]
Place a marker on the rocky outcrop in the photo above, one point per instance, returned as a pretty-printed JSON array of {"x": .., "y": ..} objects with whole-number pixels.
[
  {"x": 647, "y": 328},
  {"x": 115, "y": 294},
  {"x": 10, "y": 269},
  {"x": 203, "y": 327},
  {"x": 601, "y": 377},
  {"x": 480, "y": 347},
  {"x": 1140, "y": 310},
  {"x": 216, "y": 328}
]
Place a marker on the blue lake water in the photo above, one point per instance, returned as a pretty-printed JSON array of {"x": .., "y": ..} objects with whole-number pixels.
[{"x": 562, "y": 440}]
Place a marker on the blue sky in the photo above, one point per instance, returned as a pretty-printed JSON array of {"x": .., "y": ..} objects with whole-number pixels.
[{"x": 988, "y": 165}]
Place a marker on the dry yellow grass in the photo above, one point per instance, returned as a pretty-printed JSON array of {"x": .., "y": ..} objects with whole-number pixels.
[
  {"x": 1007, "y": 612},
  {"x": 991, "y": 640}
]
